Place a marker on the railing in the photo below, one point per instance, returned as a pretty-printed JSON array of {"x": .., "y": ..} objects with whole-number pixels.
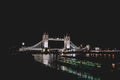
[{"x": 73, "y": 45}]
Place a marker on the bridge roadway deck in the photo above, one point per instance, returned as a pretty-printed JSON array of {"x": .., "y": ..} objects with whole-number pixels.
[
  {"x": 56, "y": 39},
  {"x": 68, "y": 52}
]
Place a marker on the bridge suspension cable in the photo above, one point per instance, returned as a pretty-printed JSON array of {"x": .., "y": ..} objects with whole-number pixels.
[
  {"x": 73, "y": 45},
  {"x": 37, "y": 45}
]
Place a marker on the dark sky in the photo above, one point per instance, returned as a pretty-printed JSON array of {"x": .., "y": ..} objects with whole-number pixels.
[{"x": 86, "y": 24}]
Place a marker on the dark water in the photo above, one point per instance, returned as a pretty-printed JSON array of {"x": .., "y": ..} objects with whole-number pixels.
[
  {"x": 88, "y": 66},
  {"x": 24, "y": 66},
  {"x": 79, "y": 66}
]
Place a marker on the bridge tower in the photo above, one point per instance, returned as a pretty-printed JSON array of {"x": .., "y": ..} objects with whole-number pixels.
[
  {"x": 67, "y": 42},
  {"x": 45, "y": 40}
]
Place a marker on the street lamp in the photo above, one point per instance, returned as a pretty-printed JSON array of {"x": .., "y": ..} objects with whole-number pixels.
[{"x": 23, "y": 43}]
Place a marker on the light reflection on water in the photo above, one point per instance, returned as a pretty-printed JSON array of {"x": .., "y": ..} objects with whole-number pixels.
[
  {"x": 48, "y": 60},
  {"x": 80, "y": 74}
]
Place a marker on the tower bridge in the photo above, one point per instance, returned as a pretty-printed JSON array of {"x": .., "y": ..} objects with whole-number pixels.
[
  {"x": 44, "y": 45},
  {"x": 69, "y": 46}
]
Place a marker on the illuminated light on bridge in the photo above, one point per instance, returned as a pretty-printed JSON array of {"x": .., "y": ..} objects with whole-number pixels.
[
  {"x": 88, "y": 47},
  {"x": 74, "y": 55},
  {"x": 67, "y": 42},
  {"x": 46, "y": 59},
  {"x": 23, "y": 43},
  {"x": 46, "y": 44},
  {"x": 62, "y": 54},
  {"x": 45, "y": 40},
  {"x": 43, "y": 45},
  {"x": 43, "y": 50},
  {"x": 68, "y": 46}
]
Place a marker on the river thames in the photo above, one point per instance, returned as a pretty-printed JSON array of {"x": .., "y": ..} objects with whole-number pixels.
[{"x": 88, "y": 66}]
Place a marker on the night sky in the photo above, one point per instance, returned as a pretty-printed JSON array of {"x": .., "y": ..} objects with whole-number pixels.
[
  {"x": 91, "y": 23},
  {"x": 86, "y": 24}
]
